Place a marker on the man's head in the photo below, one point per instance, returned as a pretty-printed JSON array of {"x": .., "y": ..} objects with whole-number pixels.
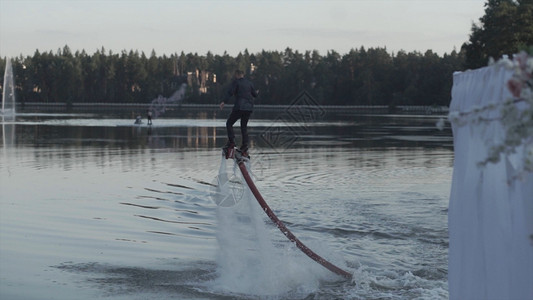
[{"x": 239, "y": 74}]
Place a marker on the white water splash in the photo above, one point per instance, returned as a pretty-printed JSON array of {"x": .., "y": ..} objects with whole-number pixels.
[
  {"x": 159, "y": 104},
  {"x": 254, "y": 258}
]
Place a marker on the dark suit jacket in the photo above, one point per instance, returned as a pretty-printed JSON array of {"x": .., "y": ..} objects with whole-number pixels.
[{"x": 244, "y": 93}]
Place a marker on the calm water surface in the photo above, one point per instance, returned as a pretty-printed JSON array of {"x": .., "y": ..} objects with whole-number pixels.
[{"x": 95, "y": 207}]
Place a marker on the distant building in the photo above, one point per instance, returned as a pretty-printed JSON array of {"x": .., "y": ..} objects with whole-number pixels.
[{"x": 201, "y": 80}]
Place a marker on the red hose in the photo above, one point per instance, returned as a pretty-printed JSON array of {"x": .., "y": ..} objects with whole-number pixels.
[{"x": 285, "y": 230}]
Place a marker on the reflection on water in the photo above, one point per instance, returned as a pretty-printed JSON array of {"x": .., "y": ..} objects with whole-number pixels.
[
  {"x": 143, "y": 283},
  {"x": 8, "y": 130},
  {"x": 114, "y": 209},
  {"x": 208, "y": 131}
]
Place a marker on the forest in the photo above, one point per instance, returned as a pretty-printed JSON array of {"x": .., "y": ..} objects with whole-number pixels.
[{"x": 362, "y": 76}]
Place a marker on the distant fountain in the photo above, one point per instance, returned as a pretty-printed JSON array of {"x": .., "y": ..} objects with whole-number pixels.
[
  {"x": 8, "y": 107},
  {"x": 8, "y": 94},
  {"x": 159, "y": 104}
]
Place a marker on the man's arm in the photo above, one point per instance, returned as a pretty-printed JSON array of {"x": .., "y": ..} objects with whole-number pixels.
[
  {"x": 255, "y": 92},
  {"x": 229, "y": 92}
]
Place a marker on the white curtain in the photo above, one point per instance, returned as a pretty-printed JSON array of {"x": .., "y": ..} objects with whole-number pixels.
[{"x": 490, "y": 217}]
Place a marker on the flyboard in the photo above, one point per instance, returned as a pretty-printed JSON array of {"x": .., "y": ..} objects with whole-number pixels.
[{"x": 240, "y": 160}]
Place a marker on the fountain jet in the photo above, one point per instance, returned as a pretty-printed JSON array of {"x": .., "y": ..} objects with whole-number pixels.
[{"x": 8, "y": 91}]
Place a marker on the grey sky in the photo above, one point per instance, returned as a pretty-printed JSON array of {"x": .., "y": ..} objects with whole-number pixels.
[{"x": 199, "y": 26}]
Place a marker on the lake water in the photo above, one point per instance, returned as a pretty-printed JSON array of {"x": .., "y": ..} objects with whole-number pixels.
[{"x": 93, "y": 206}]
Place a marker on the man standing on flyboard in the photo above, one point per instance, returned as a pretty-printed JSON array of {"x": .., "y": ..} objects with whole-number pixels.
[{"x": 244, "y": 93}]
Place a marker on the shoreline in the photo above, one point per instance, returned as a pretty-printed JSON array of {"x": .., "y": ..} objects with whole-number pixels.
[{"x": 100, "y": 106}]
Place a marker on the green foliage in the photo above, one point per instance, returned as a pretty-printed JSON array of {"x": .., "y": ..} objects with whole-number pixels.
[
  {"x": 505, "y": 29},
  {"x": 361, "y": 77}
]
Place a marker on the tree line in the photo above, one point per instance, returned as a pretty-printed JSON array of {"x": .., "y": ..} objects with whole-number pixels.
[
  {"x": 362, "y": 76},
  {"x": 505, "y": 29}
]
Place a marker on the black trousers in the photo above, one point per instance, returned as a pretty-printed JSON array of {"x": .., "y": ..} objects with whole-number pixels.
[{"x": 235, "y": 115}]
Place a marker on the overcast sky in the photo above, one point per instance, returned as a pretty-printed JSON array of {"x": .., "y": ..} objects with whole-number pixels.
[{"x": 199, "y": 26}]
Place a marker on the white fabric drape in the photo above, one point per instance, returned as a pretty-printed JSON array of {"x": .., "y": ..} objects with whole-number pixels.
[{"x": 490, "y": 216}]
